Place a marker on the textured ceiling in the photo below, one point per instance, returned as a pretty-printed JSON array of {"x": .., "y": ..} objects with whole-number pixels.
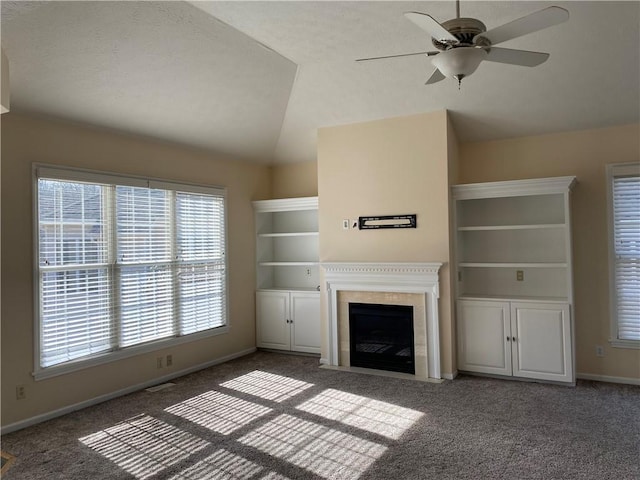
[{"x": 256, "y": 79}]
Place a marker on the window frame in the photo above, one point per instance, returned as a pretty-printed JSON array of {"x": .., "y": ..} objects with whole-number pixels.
[
  {"x": 55, "y": 172},
  {"x": 612, "y": 171}
]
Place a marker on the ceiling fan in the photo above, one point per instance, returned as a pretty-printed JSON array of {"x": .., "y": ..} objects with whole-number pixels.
[{"x": 462, "y": 43}]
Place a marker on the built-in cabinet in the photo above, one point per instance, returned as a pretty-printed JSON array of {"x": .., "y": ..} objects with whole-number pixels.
[
  {"x": 288, "y": 320},
  {"x": 514, "y": 289},
  {"x": 287, "y": 274},
  {"x": 521, "y": 339}
]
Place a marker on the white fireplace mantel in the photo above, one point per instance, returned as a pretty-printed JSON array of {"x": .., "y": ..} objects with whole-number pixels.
[{"x": 421, "y": 278}]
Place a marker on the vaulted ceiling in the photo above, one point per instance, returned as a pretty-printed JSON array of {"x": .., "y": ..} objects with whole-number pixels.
[{"x": 257, "y": 79}]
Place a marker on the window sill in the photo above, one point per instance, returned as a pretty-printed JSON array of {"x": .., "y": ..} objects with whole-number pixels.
[
  {"x": 104, "y": 358},
  {"x": 632, "y": 344}
]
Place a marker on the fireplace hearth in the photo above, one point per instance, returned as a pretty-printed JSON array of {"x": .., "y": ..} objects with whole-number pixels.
[{"x": 381, "y": 337}]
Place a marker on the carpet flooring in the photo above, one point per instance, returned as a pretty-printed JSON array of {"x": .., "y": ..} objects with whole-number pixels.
[{"x": 272, "y": 416}]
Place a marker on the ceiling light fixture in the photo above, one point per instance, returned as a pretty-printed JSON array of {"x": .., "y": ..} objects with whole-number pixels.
[{"x": 459, "y": 62}]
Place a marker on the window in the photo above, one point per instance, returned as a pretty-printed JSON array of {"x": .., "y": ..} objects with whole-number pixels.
[
  {"x": 624, "y": 214},
  {"x": 123, "y": 263}
]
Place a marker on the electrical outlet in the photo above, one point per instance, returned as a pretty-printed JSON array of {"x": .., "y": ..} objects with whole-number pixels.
[
  {"x": 21, "y": 392},
  {"x": 345, "y": 224},
  {"x": 519, "y": 275},
  {"x": 599, "y": 351},
  {"x": 159, "y": 362},
  {"x": 169, "y": 361},
  {"x": 308, "y": 272}
]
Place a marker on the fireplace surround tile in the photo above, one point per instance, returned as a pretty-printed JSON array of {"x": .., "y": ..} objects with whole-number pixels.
[{"x": 414, "y": 300}]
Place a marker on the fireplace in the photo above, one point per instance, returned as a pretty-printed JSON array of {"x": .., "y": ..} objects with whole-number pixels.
[
  {"x": 381, "y": 337},
  {"x": 410, "y": 284}
]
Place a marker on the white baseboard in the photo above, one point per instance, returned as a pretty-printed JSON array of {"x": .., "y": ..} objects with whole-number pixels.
[
  {"x": 125, "y": 391},
  {"x": 324, "y": 361},
  {"x": 607, "y": 378},
  {"x": 450, "y": 376}
]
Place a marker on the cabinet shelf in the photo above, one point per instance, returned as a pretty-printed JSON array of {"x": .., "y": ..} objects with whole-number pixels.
[
  {"x": 290, "y": 289},
  {"x": 514, "y": 298},
  {"x": 512, "y": 265},
  {"x": 538, "y": 226}
]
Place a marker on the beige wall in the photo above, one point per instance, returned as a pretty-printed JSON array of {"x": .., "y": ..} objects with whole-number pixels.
[
  {"x": 294, "y": 180},
  {"x": 386, "y": 167},
  {"x": 583, "y": 154},
  {"x": 26, "y": 140}
]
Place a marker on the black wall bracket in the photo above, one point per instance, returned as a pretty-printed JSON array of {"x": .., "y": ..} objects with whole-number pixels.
[{"x": 387, "y": 221}]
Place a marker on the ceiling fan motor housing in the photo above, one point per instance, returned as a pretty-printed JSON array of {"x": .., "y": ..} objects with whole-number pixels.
[{"x": 465, "y": 30}]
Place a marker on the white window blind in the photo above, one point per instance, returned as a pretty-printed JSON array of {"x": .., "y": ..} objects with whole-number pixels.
[
  {"x": 122, "y": 265},
  {"x": 75, "y": 303},
  {"x": 144, "y": 261},
  {"x": 625, "y": 204},
  {"x": 201, "y": 276}
]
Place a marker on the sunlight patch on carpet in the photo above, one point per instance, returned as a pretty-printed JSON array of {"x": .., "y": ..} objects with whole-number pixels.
[
  {"x": 218, "y": 412},
  {"x": 368, "y": 414},
  {"x": 223, "y": 464},
  {"x": 144, "y": 446},
  {"x": 321, "y": 450},
  {"x": 267, "y": 385},
  {"x": 274, "y": 476},
  {"x": 220, "y": 464}
]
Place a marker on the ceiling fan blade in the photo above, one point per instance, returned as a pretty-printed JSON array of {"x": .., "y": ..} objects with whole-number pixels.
[
  {"x": 531, "y": 23},
  {"x": 431, "y": 26},
  {"x": 516, "y": 57},
  {"x": 436, "y": 76},
  {"x": 428, "y": 54}
]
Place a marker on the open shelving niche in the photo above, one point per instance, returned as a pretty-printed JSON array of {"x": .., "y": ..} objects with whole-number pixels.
[
  {"x": 287, "y": 244},
  {"x": 506, "y": 227}
]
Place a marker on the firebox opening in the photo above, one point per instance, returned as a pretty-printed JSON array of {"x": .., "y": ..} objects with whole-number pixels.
[{"x": 381, "y": 337}]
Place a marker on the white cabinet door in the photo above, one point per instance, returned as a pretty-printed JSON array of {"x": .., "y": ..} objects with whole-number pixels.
[
  {"x": 272, "y": 315},
  {"x": 483, "y": 337},
  {"x": 542, "y": 345},
  {"x": 305, "y": 315}
]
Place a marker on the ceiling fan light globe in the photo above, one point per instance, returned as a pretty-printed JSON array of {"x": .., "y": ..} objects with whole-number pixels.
[{"x": 459, "y": 62}]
